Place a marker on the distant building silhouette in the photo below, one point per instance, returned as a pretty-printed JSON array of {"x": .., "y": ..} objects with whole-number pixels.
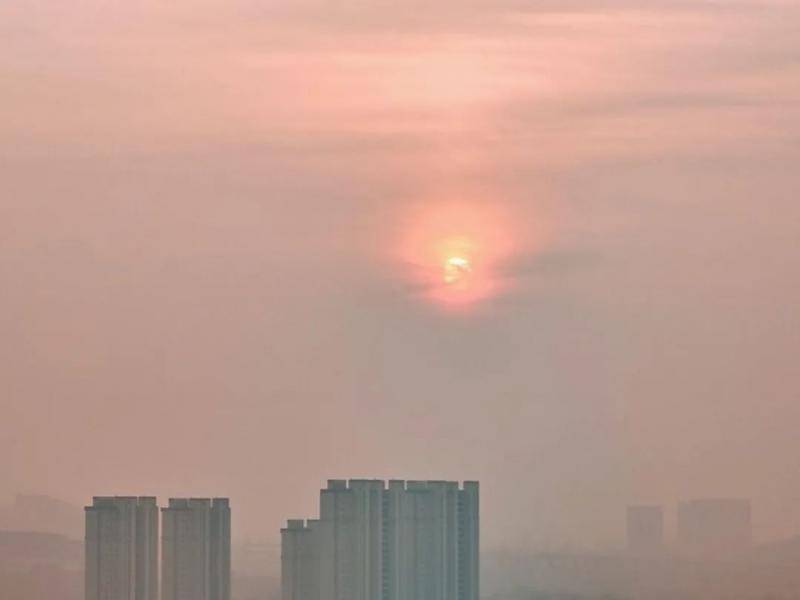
[
  {"x": 121, "y": 548},
  {"x": 196, "y": 549},
  {"x": 715, "y": 526},
  {"x": 34, "y": 512},
  {"x": 645, "y": 529},
  {"x": 415, "y": 540}
]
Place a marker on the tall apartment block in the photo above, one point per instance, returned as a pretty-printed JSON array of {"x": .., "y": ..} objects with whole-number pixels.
[
  {"x": 645, "y": 529},
  {"x": 196, "y": 549},
  {"x": 415, "y": 540},
  {"x": 121, "y": 548}
]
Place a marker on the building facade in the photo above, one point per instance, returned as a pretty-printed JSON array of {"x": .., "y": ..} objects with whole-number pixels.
[
  {"x": 415, "y": 540},
  {"x": 715, "y": 527},
  {"x": 121, "y": 548},
  {"x": 196, "y": 549},
  {"x": 645, "y": 529}
]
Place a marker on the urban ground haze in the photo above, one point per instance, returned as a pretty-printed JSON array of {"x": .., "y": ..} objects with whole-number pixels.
[{"x": 247, "y": 247}]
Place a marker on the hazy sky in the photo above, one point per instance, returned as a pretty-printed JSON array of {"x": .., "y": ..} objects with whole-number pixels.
[{"x": 206, "y": 286}]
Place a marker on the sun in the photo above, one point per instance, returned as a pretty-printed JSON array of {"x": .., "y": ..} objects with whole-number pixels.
[
  {"x": 455, "y": 252},
  {"x": 456, "y": 269}
]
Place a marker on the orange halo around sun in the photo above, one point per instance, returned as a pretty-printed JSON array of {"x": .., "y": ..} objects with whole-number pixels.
[{"x": 457, "y": 251}]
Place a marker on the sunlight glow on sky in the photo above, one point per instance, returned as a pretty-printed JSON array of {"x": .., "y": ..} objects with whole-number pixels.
[{"x": 456, "y": 252}]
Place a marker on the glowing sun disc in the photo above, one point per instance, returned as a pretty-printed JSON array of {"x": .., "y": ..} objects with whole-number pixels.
[{"x": 456, "y": 268}]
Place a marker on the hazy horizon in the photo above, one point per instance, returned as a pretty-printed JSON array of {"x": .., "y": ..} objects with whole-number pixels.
[{"x": 214, "y": 277}]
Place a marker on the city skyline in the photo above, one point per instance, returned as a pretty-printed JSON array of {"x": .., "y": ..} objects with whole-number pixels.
[
  {"x": 248, "y": 247},
  {"x": 387, "y": 517}
]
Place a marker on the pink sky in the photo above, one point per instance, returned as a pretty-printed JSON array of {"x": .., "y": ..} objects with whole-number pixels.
[{"x": 203, "y": 290}]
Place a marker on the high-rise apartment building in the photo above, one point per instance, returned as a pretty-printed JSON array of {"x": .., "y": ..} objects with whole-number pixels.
[
  {"x": 415, "y": 540},
  {"x": 220, "y": 548},
  {"x": 299, "y": 561},
  {"x": 121, "y": 548},
  {"x": 645, "y": 529},
  {"x": 196, "y": 549}
]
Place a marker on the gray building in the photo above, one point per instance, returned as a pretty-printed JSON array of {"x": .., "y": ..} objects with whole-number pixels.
[
  {"x": 415, "y": 540},
  {"x": 299, "y": 560},
  {"x": 196, "y": 549},
  {"x": 715, "y": 526},
  {"x": 645, "y": 529},
  {"x": 121, "y": 548}
]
